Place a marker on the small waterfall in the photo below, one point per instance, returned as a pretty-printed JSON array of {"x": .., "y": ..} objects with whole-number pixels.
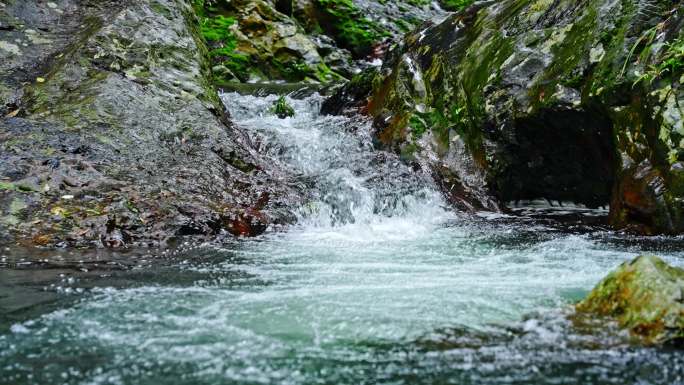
[{"x": 353, "y": 183}]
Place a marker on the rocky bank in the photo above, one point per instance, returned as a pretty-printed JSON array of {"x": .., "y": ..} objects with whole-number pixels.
[
  {"x": 111, "y": 129},
  {"x": 525, "y": 99},
  {"x": 112, "y": 133}
]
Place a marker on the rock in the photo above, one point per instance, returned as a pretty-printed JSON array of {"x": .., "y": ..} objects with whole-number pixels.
[
  {"x": 251, "y": 40},
  {"x": 360, "y": 25},
  {"x": 338, "y": 59},
  {"x": 519, "y": 100},
  {"x": 125, "y": 142},
  {"x": 645, "y": 296},
  {"x": 304, "y": 40}
]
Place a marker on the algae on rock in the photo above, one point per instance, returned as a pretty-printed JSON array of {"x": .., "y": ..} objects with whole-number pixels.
[
  {"x": 645, "y": 296},
  {"x": 253, "y": 41},
  {"x": 304, "y": 40}
]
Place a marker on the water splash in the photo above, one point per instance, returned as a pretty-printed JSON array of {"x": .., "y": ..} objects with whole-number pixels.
[{"x": 352, "y": 182}]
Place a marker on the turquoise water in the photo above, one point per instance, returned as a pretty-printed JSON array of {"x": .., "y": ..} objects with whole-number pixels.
[{"x": 378, "y": 283}]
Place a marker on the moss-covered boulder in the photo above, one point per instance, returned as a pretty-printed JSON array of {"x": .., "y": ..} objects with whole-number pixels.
[
  {"x": 304, "y": 40},
  {"x": 525, "y": 99},
  {"x": 645, "y": 296},
  {"x": 251, "y": 40},
  {"x": 111, "y": 133}
]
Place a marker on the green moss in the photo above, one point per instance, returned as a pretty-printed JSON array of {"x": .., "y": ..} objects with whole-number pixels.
[
  {"x": 403, "y": 25},
  {"x": 408, "y": 152},
  {"x": 643, "y": 295},
  {"x": 216, "y": 31},
  {"x": 160, "y": 9},
  {"x": 573, "y": 46},
  {"x": 131, "y": 206},
  {"x": 7, "y": 186},
  {"x": 482, "y": 61},
  {"x": 456, "y": 5},
  {"x": 347, "y": 25},
  {"x": 229, "y": 65}
]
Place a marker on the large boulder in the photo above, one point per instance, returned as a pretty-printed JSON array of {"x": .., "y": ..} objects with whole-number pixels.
[
  {"x": 525, "y": 99},
  {"x": 645, "y": 296},
  {"x": 111, "y": 133}
]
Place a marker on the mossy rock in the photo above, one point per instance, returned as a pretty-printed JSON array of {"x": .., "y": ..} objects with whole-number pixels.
[
  {"x": 455, "y": 5},
  {"x": 119, "y": 138},
  {"x": 516, "y": 100},
  {"x": 250, "y": 40},
  {"x": 645, "y": 296}
]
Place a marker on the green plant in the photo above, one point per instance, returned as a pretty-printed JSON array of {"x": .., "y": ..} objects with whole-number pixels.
[
  {"x": 658, "y": 59},
  {"x": 671, "y": 61},
  {"x": 283, "y": 109},
  {"x": 647, "y": 37}
]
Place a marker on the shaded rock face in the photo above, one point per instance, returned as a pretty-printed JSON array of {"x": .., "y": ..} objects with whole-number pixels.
[
  {"x": 645, "y": 296},
  {"x": 112, "y": 135},
  {"x": 524, "y": 99},
  {"x": 360, "y": 25}
]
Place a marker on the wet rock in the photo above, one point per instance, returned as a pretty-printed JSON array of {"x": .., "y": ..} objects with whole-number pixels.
[
  {"x": 518, "y": 100},
  {"x": 124, "y": 141},
  {"x": 338, "y": 59},
  {"x": 645, "y": 296},
  {"x": 254, "y": 41},
  {"x": 305, "y": 40},
  {"x": 354, "y": 95},
  {"x": 361, "y": 25}
]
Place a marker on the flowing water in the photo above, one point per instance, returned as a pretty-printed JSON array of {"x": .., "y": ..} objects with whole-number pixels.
[{"x": 378, "y": 283}]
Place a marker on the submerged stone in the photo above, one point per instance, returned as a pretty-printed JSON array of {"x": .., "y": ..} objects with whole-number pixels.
[{"x": 645, "y": 296}]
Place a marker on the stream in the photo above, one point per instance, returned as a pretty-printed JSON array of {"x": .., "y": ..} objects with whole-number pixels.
[{"x": 379, "y": 282}]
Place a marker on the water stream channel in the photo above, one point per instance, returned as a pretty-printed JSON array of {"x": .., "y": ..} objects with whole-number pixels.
[{"x": 379, "y": 282}]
